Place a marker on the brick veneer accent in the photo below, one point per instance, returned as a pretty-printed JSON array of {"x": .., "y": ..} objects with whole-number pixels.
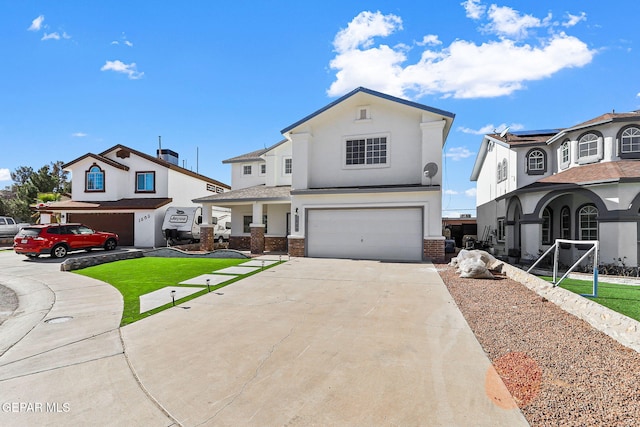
[
  {"x": 296, "y": 247},
  {"x": 257, "y": 240},
  {"x": 275, "y": 244},
  {"x": 434, "y": 250},
  {"x": 240, "y": 243},
  {"x": 207, "y": 243}
]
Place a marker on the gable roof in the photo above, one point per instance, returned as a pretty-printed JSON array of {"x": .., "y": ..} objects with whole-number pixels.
[
  {"x": 102, "y": 157},
  {"x": 253, "y": 156},
  {"x": 373, "y": 93}
]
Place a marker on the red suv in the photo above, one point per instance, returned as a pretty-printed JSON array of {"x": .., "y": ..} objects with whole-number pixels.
[{"x": 58, "y": 239}]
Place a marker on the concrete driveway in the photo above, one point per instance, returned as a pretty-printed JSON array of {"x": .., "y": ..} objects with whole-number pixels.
[{"x": 309, "y": 342}]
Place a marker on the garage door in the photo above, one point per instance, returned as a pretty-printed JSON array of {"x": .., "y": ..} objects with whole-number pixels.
[
  {"x": 121, "y": 223},
  {"x": 385, "y": 234}
]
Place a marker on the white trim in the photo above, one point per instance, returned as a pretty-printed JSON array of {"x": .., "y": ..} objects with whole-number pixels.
[{"x": 366, "y": 137}]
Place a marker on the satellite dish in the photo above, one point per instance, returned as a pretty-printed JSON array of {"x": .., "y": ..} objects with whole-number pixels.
[
  {"x": 504, "y": 132},
  {"x": 430, "y": 170}
]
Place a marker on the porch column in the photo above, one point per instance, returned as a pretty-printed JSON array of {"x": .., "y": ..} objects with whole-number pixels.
[{"x": 257, "y": 230}]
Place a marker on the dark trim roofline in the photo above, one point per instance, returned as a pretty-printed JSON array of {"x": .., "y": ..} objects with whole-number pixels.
[
  {"x": 100, "y": 158},
  {"x": 372, "y": 189},
  {"x": 374, "y": 93}
]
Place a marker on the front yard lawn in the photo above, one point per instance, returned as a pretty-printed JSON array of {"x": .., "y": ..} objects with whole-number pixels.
[
  {"x": 624, "y": 299},
  {"x": 135, "y": 277}
]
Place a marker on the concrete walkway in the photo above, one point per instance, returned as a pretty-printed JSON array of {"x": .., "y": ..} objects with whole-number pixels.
[{"x": 308, "y": 342}]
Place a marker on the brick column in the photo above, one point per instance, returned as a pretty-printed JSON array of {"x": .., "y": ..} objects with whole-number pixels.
[
  {"x": 257, "y": 238},
  {"x": 296, "y": 246},
  {"x": 206, "y": 237},
  {"x": 434, "y": 250}
]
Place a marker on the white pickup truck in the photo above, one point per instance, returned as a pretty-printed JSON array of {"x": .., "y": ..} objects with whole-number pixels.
[{"x": 9, "y": 227}]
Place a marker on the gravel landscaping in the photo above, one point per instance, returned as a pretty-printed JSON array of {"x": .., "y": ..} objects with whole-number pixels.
[
  {"x": 8, "y": 303},
  {"x": 560, "y": 370}
]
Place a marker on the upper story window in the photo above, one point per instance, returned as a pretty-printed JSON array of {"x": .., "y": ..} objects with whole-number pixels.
[
  {"x": 547, "y": 214},
  {"x": 590, "y": 147},
  {"x": 366, "y": 151},
  {"x": 246, "y": 170},
  {"x": 536, "y": 162},
  {"x": 588, "y": 223},
  {"x": 145, "y": 182},
  {"x": 564, "y": 154},
  {"x": 501, "y": 173},
  {"x": 629, "y": 142},
  {"x": 288, "y": 165},
  {"x": 94, "y": 179},
  {"x": 565, "y": 223}
]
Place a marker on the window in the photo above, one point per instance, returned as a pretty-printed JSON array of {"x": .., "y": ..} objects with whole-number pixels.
[
  {"x": 565, "y": 223},
  {"x": 288, "y": 165},
  {"x": 588, "y": 224},
  {"x": 248, "y": 219},
  {"x": 547, "y": 214},
  {"x": 500, "y": 230},
  {"x": 564, "y": 154},
  {"x": 246, "y": 170},
  {"x": 589, "y": 147},
  {"x": 629, "y": 142},
  {"x": 366, "y": 151},
  {"x": 263, "y": 169},
  {"x": 536, "y": 162},
  {"x": 145, "y": 182},
  {"x": 94, "y": 179},
  {"x": 502, "y": 170}
]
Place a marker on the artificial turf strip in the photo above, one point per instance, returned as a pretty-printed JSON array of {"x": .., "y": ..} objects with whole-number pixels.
[
  {"x": 136, "y": 277},
  {"x": 624, "y": 299}
]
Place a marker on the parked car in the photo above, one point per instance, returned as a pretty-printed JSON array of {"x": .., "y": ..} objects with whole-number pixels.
[
  {"x": 9, "y": 227},
  {"x": 59, "y": 239}
]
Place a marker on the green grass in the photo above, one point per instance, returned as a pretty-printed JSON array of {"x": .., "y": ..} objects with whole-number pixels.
[
  {"x": 135, "y": 277},
  {"x": 624, "y": 299}
]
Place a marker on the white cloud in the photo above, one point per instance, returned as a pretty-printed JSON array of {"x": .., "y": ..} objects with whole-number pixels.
[
  {"x": 463, "y": 69},
  {"x": 490, "y": 128},
  {"x": 458, "y": 153},
  {"x": 470, "y": 192},
  {"x": 507, "y": 22},
  {"x": 36, "y": 24},
  {"x": 431, "y": 40},
  {"x": 474, "y": 9},
  {"x": 5, "y": 174},
  {"x": 574, "y": 19},
  {"x": 79, "y": 134},
  {"x": 450, "y": 192},
  {"x": 120, "y": 67},
  {"x": 128, "y": 43}
]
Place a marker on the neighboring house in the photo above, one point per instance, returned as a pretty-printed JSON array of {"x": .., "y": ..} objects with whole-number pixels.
[
  {"x": 579, "y": 183},
  {"x": 127, "y": 192},
  {"x": 356, "y": 179}
]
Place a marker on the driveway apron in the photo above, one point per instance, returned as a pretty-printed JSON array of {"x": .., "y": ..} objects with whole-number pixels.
[{"x": 321, "y": 342}]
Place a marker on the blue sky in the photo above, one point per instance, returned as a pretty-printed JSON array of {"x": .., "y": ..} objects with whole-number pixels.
[{"x": 221, "y": 79}]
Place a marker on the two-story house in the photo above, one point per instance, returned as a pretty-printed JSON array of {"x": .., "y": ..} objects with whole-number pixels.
[
  {"x": 578, "y": 183},
  {"x": 357, "y": 178},
  {"x": 127, "y": 192}
]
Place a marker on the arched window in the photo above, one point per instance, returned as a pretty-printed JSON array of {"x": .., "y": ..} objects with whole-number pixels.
[
  {"x": 565, "y": 223},
  {"x": 588, "y": 223},
  {"x": 94, "y": 179},
  {"x": 630, "y": 140},
  {"x": 564, "y": 154},
  {"x": 547, "y": 215},
  {"x": 590, "y": 147},
  {"x": 536, "y": 162}
]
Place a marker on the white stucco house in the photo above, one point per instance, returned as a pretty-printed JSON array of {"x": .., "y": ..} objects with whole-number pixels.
[
  {"x": 126, "y": 191},
  {"x": 578, "y": 183},
  {"x": 358, "y": 178}
]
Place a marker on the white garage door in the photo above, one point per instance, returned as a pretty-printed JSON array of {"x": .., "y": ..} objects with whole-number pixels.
[{"x": 385, "y": 234}]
